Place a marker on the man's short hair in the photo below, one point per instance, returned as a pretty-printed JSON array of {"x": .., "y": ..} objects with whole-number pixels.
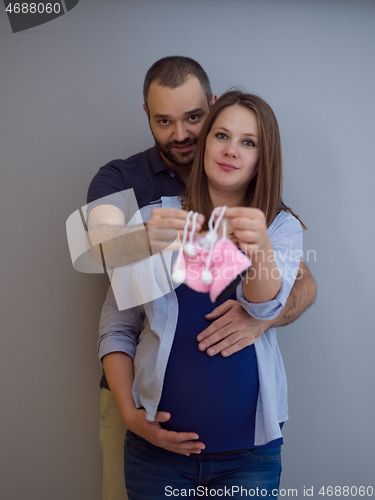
[{"x": 174, "y": 71}]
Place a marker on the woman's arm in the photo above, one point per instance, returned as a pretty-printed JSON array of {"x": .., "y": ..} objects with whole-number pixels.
[
  {"x": 285, "y": 234},
  {"x": 262, "y": 282}
]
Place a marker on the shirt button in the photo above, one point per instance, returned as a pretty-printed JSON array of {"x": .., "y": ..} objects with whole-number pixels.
[{"x": 172, "y": 174}]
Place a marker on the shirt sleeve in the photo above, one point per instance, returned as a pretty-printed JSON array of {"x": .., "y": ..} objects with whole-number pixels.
[
  {"x": 108, "y": 180},
  {"x": 109, "y": 187},
  {"x": 286, "y": 237},
  {"x": 119, "y": 330}
]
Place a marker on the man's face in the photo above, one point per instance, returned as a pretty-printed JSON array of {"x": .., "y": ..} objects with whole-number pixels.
[{"x": 176, "y": 117}]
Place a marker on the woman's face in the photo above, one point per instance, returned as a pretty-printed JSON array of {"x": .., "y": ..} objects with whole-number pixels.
[{"x": 232, "y": 151}]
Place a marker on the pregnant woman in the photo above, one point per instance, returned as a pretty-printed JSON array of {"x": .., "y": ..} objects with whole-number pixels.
[{"x": 235, "y": 405}]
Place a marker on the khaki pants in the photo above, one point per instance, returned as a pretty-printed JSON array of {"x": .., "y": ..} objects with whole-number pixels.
[{"x": 112, "y": 436}]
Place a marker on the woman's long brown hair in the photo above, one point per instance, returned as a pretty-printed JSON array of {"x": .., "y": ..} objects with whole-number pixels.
[{"x": 265, "y": 188}]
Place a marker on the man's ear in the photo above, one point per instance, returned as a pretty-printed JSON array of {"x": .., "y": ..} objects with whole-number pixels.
[
  {"x": 146, "y": 111},
  {"x": 213, "y": 99}
]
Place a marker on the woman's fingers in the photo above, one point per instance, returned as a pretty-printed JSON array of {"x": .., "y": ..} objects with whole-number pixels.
[{"x": 166, "y": 225}]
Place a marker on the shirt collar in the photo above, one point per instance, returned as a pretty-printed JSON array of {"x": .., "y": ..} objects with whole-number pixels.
[
  {"x": 156, "y": 161},
  {"x": 158, "y": 165}
]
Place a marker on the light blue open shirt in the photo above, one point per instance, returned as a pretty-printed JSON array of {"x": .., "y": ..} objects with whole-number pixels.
[{"x": 146, "y": 332}]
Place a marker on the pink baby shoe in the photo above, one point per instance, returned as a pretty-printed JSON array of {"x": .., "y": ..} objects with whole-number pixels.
[
  {"x": 228, "y": 264},
  {"x": 207, "y": 265}
]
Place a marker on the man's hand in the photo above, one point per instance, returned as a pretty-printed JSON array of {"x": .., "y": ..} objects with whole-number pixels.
[
  {"x": 178, "y": 442},
  {"x": 232, "y": 330},
  {"x": 118, "y": 368}
]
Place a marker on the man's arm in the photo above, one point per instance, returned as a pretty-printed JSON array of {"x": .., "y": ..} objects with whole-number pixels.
[
  {"x": 113, "y": 243},
  {"x": 118, "y": 337},
  {"x": 301, "y": 297},
  {"x": 233, "y": 329},
  {"x": 116, "y": 244},
  {"x": 118, "y": 368}
]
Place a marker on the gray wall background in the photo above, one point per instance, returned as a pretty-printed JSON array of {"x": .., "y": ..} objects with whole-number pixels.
[{"x": 70, "y": 102}]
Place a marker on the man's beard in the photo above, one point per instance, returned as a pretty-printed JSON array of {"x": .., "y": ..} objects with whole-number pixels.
[{"x": 183, "y": 159}]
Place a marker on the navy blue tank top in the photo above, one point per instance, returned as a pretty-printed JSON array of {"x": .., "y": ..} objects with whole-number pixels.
[{"x": 215, "y": 396}]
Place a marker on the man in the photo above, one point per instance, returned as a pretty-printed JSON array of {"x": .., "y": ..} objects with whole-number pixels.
[{"x": 177, "y": 99}]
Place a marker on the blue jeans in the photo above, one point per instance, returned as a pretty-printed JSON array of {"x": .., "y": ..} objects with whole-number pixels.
[{"x": 152, "y": 473}]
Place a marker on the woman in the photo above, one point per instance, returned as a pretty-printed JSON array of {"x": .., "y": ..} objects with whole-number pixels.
[{"x": 237, "y": 405}]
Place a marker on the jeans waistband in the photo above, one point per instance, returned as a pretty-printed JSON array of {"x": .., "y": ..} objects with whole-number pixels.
[{"x": 217, "y": 454}]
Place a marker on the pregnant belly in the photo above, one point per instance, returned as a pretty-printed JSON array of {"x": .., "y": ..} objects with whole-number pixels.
[{"x": 215, "y": 397}]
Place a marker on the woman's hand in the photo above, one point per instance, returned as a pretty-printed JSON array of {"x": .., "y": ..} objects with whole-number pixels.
[
  {"x": 262, "y": 281},
  {"x": 164, "y": 226},
  {"x": 250, "y": 228}
]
